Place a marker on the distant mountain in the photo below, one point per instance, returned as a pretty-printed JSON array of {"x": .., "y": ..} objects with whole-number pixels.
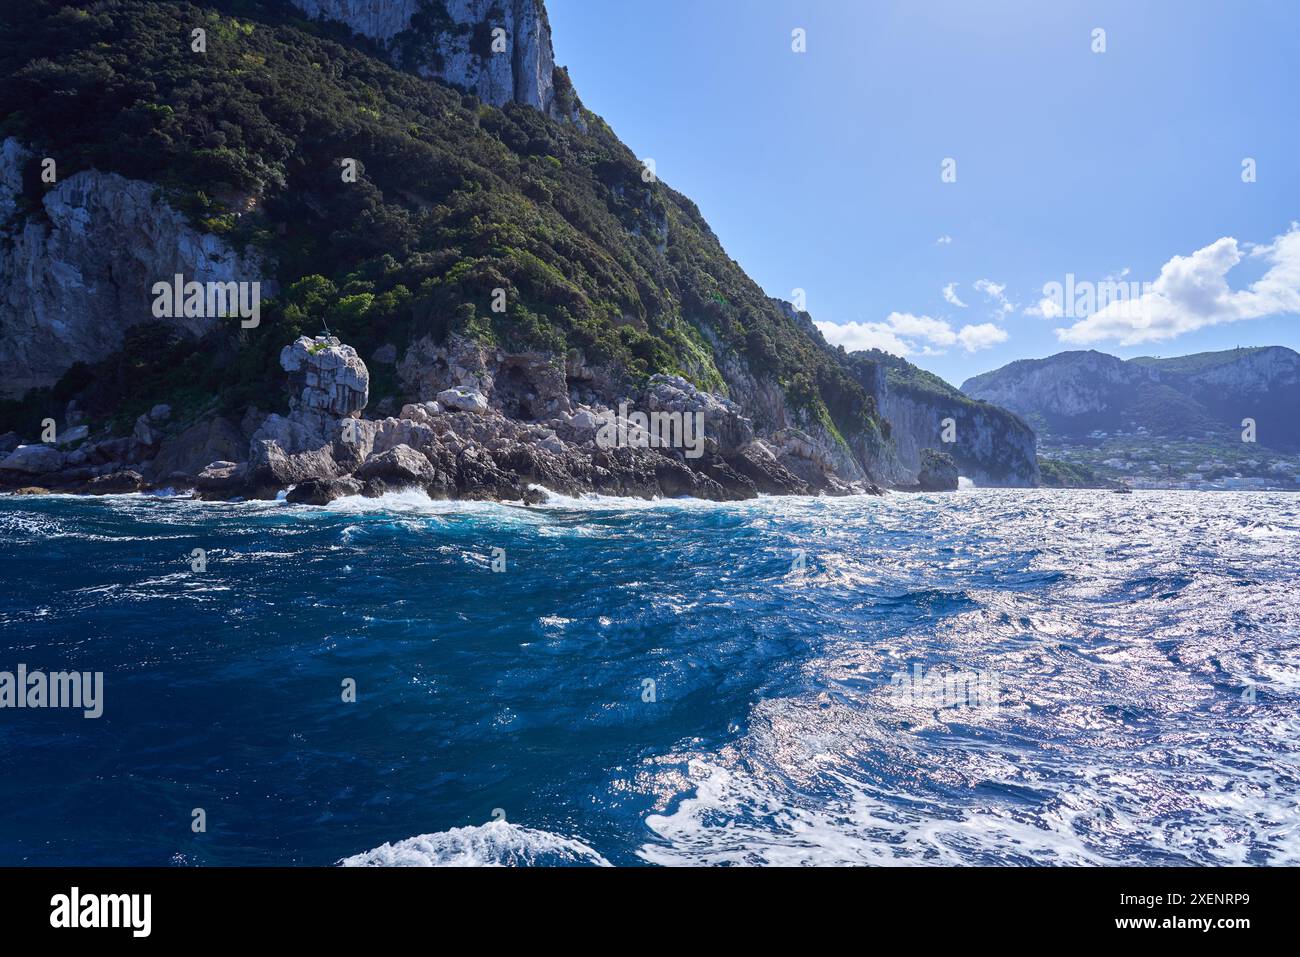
[
  {"x": 1175, "y": 421},
  {"x": 1074, "y": 394}
]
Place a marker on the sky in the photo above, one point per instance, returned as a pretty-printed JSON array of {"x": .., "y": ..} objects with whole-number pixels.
[{"x": 1159, "y": 157}]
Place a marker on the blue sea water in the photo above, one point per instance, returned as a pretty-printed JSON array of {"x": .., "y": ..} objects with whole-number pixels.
[{"x": 1145, "y": 649}]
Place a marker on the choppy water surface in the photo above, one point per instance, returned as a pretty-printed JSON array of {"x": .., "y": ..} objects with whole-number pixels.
[{"x": 503, "y": 717}]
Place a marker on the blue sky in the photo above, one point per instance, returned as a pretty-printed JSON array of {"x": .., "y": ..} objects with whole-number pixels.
[{"x": 822, "y": 170}]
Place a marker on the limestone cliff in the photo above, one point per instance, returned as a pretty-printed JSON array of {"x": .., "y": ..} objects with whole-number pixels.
[
  {"x": 989, "y": 444},
  {"x": 453, "y": 41},
  {"x": 76, "y": 276}
]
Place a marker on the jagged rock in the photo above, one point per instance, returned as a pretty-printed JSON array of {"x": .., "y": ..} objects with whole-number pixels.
[
  {"x": 33, "y": 460},
  {"x": 390, "y": 433},
  {"x": 529, "y": 385},
  {"x": 326, "y": 375},
  {"x": 116, "y": 483},
  {"x": 721, "y": 417},
  {"x": 464, "y": 400},
  {"x": 148, "y": 427},
  {"x": 300, "y": 431},
  {"x": 428, "y": 368},
  {"x": 584, "y": 422},
  {"x": 938, "y": 472},
  {"x": 222, "y": 480},
  {"x": 272, "y": 469},
  {"x": 675, "y": 479},
  {"x": 183, "y": 456},
  {"x": 757, "y": 464},
  {"x": 521, "y": 73},
  {"x": 397, "y": 467},
  {"x": 479, "y": 477},
  {"x": 73, "y": 435},
  {"x": 735, "y": 486},
  {"x": 323, "y": 491},
  {"x": 12, "y": 159},
  {"x": 31, "y": 490}
]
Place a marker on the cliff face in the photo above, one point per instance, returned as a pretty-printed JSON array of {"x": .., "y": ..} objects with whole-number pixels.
[
  {"x": 451, "y": 40},
  {"x": 989, "y": 445},
  {"x": 74, "y": 279}
]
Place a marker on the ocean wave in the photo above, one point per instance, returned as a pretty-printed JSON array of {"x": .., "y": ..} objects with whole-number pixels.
[{"x": 495, "y": 844}]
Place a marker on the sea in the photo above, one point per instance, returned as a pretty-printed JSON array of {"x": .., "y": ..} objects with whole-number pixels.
[{"x": 984, "y": 677}]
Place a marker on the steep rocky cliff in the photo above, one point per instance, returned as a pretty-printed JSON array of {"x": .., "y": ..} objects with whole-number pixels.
[
  {"x": 78, "y": 272},
  {"x": 453, "y": 41},
  {"x": 989, "y": 445}
]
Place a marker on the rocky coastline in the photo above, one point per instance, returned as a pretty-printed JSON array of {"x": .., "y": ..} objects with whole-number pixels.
[{"x": 503, "y": 428}]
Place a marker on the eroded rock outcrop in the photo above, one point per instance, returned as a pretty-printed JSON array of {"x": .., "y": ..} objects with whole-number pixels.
[
  {"x": 326, "y": 376},
  {"x": 453, "y": 41}
]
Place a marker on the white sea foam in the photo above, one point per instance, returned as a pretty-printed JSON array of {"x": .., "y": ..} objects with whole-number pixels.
[{"x": 495, "y": 844}]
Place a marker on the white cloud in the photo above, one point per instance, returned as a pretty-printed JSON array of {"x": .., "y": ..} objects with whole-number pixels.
[
  {"x": 984, "y": 336},
  {"x": 943, "y": 240},
  {"x": 1047, "y": 308},
  {"x": 906, "y": 334},
  {"x": 1192, "y": 293},
  {"x": 950, "y": 294},
  {"x": 995, "y": 293}
]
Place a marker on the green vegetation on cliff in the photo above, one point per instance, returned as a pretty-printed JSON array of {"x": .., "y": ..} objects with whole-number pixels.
[{"x": 453, "y": 200}]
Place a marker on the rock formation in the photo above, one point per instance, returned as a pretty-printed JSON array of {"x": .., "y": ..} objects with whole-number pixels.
[
  {"x": 453, "y": 41},
  {"x": 73, "y": 281}
]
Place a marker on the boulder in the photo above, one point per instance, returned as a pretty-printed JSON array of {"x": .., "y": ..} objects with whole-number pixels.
[
  {"x": 147, "y": 432},
  {"x": 116, "y": 483},
  {"x": 33, "y": 460},
  {"x": 73, "y": 435},
  {"x": 675, "y": 480},
  {"x": 302, "y": 430},
  {"x": 109, "y": 451},
  {"x": 584, "y": 423},
  {"x": 938, "y": 471},
  {"x": 463, "y": 399},
  {"x": 326, "y": 375},
  {"x": 323, "y": 491},
  {"x": 220, "y": 480},
  {"x": 401, "y": 466},
  {"x": 272, "y": 469},
  {"x": 479, "y": 477},
  {"x": 757, "y": 463}
]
